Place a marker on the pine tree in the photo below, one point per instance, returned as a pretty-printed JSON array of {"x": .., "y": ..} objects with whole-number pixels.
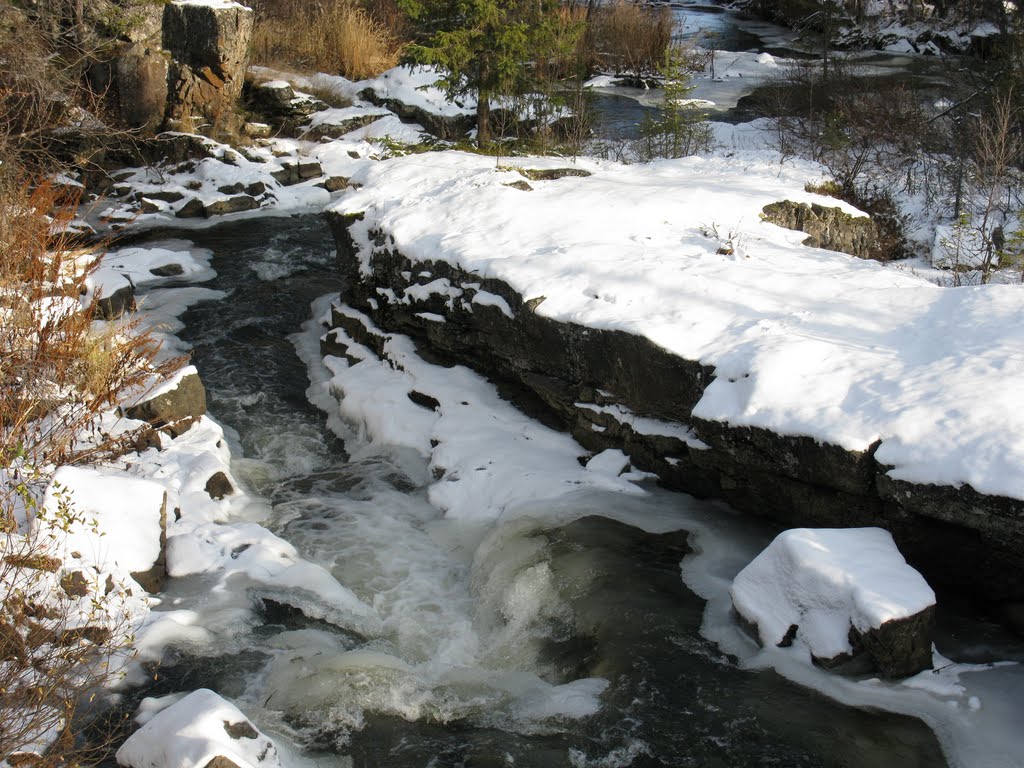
[
  {"x": 681, "y": 128},
  {"x": 487, "y": 48}
]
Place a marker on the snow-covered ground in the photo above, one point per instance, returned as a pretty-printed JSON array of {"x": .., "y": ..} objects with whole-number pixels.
[{"x": 804, "y": 342}]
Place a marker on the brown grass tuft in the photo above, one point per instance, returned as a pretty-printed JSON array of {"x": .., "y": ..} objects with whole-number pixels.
[{"x": 341, "y": 38}]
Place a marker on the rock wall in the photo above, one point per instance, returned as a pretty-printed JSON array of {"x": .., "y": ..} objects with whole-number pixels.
[
  {"x": 611, "y": 389},
  {"x": 178, "y": 65}
]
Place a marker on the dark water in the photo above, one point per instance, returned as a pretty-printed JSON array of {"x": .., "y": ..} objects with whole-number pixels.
[{"x": 623, "y": 615}]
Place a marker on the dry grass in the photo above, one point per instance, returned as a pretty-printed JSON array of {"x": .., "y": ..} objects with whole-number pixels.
[
  {"x": 59, "y": 373},
  {"x": 629, "y": 39},
  {"x": 341, "y": 38}
]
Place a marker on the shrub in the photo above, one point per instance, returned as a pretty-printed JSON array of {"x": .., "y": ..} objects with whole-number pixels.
[
  {"x": 629, "y": 39},
  {"x": 58, "y": 377},
  {"x": 336, "y": 37}
]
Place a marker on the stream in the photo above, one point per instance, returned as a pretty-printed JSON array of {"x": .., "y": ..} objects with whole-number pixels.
[
  {"x": 563, "y": 637},
  {"x": 569, "y": 634}
]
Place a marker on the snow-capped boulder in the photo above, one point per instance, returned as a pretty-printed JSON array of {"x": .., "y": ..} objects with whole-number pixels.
[
  {"x": 845, "y": 595},
  {"x": 175, "y": 405},
  {"x": 201, "y": 729}
]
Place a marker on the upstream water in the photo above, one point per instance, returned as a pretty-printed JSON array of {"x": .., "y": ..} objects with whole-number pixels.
[{"x": 564, "y": 636}]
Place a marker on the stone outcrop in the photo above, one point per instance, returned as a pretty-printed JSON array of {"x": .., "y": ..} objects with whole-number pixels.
[
  {"x": 209, "y": 53},
  {"x": 588, "y": 381},
  {"x": 828, "y": 227},
  {"x": 447, "y": 127},
  {"x": 175, "y": 410},
  {"x": 178, "y": 64}
]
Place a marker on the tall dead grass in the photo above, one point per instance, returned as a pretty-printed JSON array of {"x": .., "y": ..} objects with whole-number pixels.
[
  {"x": 629, "y": 39},
  {"x": 341, "y": 37},
  {"x": 60, "y": 372}
]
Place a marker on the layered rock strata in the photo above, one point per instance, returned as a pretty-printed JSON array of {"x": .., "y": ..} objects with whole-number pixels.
[{"x": 611, "y": 389}]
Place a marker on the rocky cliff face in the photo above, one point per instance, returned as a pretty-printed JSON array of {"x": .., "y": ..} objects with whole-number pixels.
[
  {"x": 179, "y": 65},
  {"x": 614, "y": 390}
]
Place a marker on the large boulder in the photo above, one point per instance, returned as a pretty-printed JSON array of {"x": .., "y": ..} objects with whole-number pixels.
[
  {"x": 141, "y": 74},
  {"x": 209, "y": 46},
  {"x": 201, "y": 730},
  {"x": 846, "y": 596},
  {"x": 174, "y": 406},
  {"x": 828, "y": 227}
]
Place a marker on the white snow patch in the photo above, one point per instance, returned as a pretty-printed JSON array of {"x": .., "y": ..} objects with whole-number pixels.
[{"x": 824, "y": 581}]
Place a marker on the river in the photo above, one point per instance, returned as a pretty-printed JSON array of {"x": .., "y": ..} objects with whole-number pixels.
[{"x": 563, "y": 637}]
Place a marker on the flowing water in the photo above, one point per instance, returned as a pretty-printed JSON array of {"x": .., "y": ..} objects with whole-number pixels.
[{"x": 565, "y": 637}]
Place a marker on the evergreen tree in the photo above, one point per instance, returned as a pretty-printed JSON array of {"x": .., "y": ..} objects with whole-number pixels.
[
  {"x": 681, "y": 128},
  {"x": 488, "y": 48}
]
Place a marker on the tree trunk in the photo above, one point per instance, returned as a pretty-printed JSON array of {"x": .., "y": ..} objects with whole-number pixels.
[{"x": 483, "y": 119}]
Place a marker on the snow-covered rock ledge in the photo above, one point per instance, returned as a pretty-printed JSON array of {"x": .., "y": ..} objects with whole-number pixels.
[{"x": 815, "y": 388}]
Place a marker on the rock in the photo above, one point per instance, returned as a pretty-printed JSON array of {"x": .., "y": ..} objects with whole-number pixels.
[
  {"x": 256, "y": 189},
  {"x": 424, "y": 401},
  {"x": 116, "y": 304},
  {"x": 166, "y": 195},
  {"x": 231, "y": 189},
  {"x": 142, "y": 86},
  {"x": 257, "y": 130},
  {"x": 174, "y": 410},
  {"x": 447, "y": 127},
  {"x": 964, "y": 541},
  {"x": 339, "y": 128},
  {"x": 522, "y": 186},
  {"x": 192, "y": 209},
  {"x": 551, "y": 174},
  {"x": 202, "y": 730},
  {"x": 75, "y": 584},
  {"x": 218, "y": 486},
  {"x": 209, "y": 45},
  {"x": 232, "y": 205},
  {"x": 168, "y": 270},
  {"x": 152, "y": 580},
  {"x": 845, "y": 595},
  {"x": 294, "y": 172},
  {"x": 335, "y": 183},
  {"x": 148, "y": 206},
  {"x": 829, "y": 227}
]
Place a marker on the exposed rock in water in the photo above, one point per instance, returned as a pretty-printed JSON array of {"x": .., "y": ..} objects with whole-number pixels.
[
  {"x": 174, "y": 410},
  {"x": 594, "y": 382}
]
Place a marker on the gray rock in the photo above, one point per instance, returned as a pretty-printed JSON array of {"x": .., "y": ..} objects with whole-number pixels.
[
  {"x": 828, "y": 227},
  {"x": 153, "y": 579},
  {"x": 958, "y": 539},
  {"x": 232, "y": 205},
  {"x": 116, "y": 304},
  {"x": 142, "y": 86},
  {"x": 209, "y": 45},
  {"x": 176, "y": 410},
  {"x": 192, "y": 209},
  {"x": 168, "y": 270}
]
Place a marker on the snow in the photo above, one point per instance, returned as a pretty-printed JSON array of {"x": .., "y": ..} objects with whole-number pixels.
[
  {"x": 417, "y": 87},
  {"x": 192, "y": 731},
  {"x": 488, "y": 457},
  {"x": 119, "y": 517},
  {"x": 804, "y": 341},
  {"x": 825, "y": 581}
]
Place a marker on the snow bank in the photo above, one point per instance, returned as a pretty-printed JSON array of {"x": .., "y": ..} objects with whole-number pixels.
[
  {"x": 195, "y": 730},
  {"x": 824, "y": 581},
  {"x": 804, "y": 341}
]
